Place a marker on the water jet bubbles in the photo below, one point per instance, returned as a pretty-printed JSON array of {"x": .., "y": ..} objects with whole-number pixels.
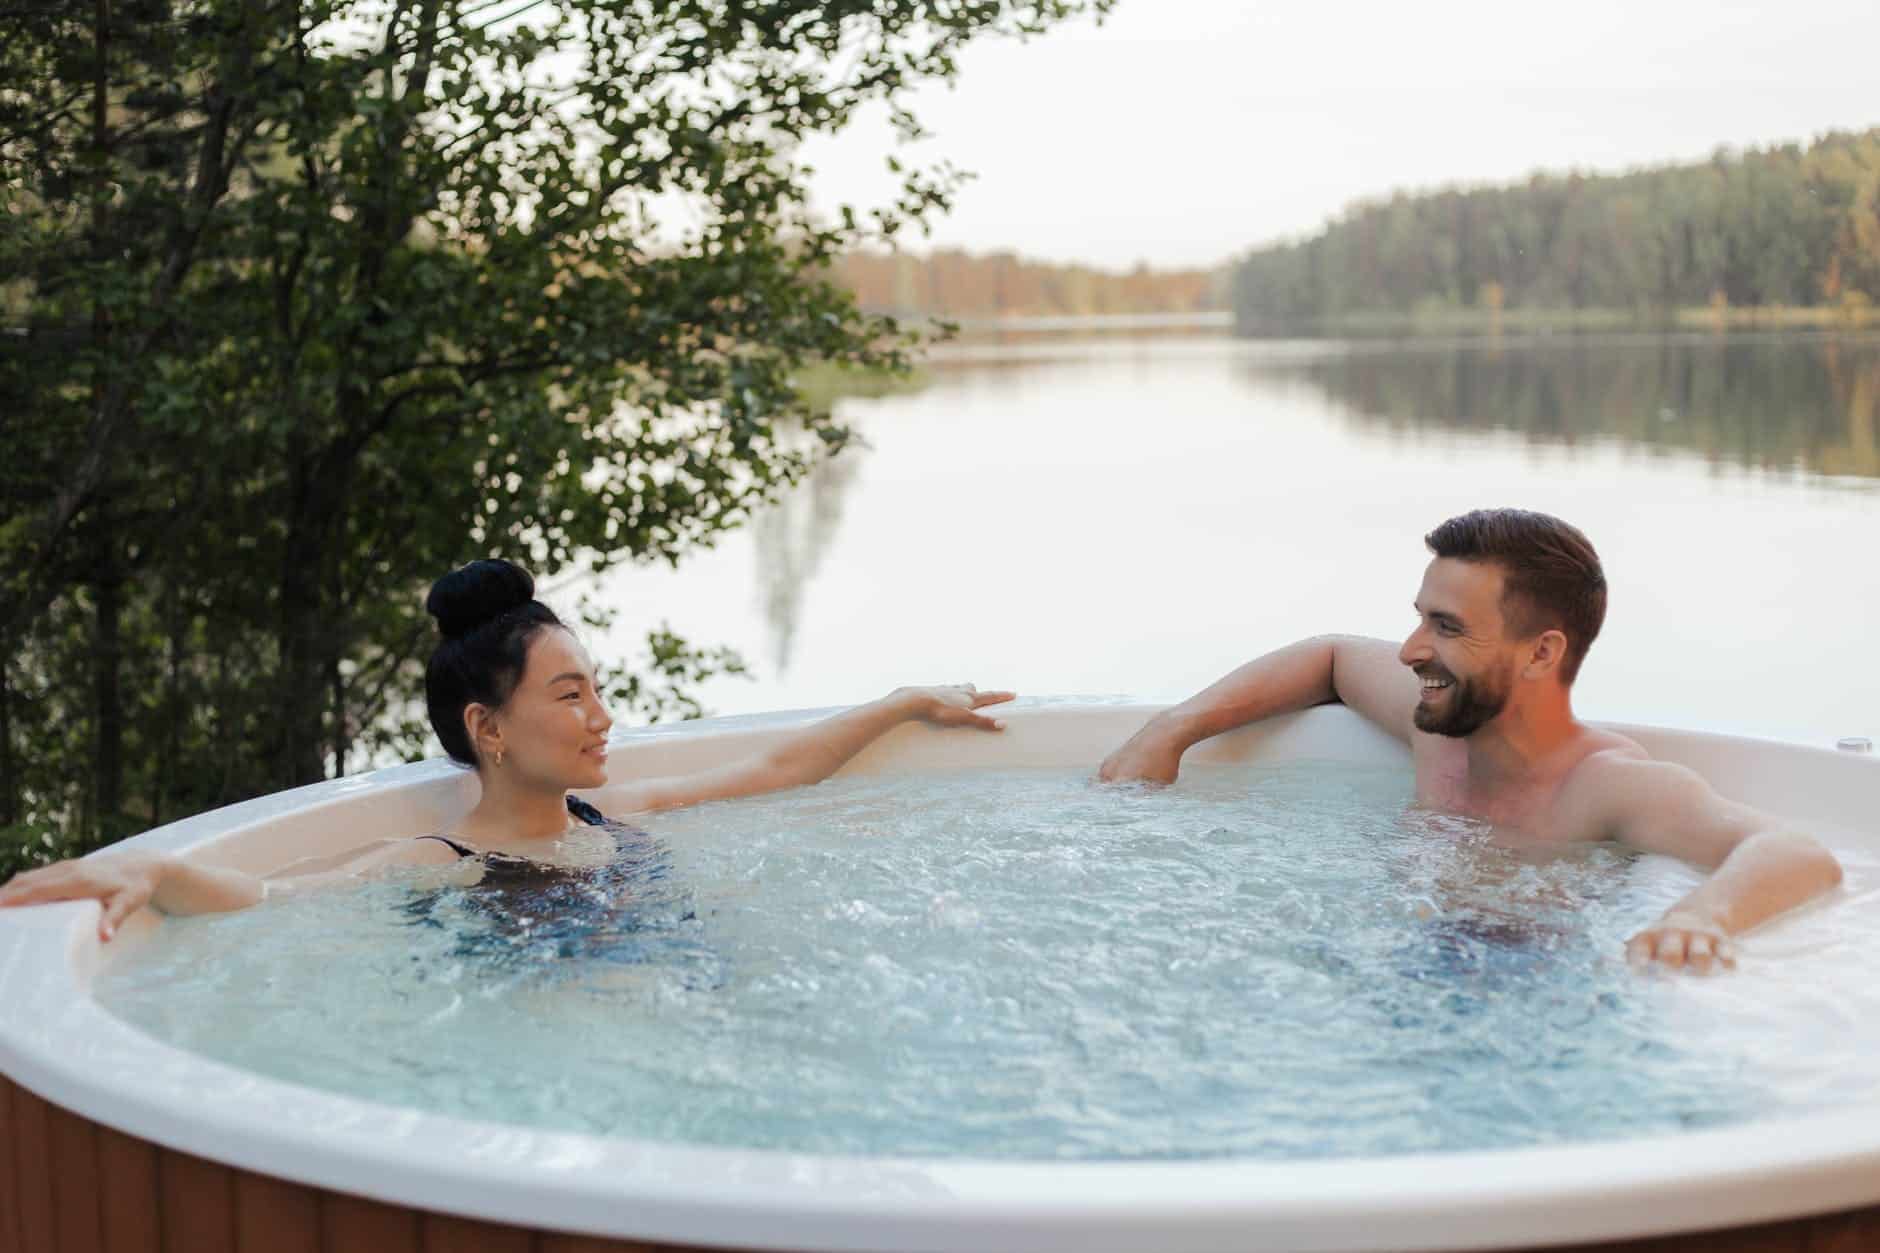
[
  {"x": 858, "y": 912},
  {"x": 1070, "y": 973},
  {"x": 949, "y": 910}
]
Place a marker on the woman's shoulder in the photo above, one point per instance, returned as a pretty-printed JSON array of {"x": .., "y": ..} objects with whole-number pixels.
[{"x": 361, "y": 859}]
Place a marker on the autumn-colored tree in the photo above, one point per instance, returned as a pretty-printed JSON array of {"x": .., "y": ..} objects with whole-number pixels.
[{"x": 951, "y": 283}]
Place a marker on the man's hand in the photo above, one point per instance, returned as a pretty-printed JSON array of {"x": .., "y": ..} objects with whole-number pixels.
[
  {"x": 1149, "y": 756},
  {"x": 1683, "y": 940},
  {"x": 1760, "y": 867}
]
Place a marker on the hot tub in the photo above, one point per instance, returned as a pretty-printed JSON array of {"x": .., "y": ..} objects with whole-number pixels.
[{"x": 113, "y": 1140}]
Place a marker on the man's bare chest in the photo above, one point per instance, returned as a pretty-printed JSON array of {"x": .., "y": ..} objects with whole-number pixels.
[{"x": 1528, "y": 811}]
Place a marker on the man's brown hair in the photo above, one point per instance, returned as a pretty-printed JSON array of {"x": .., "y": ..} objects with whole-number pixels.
[{"x": 1552, "y": 578}]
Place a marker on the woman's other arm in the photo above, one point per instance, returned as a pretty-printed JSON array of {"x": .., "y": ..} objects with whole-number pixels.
[
  {"x": 124, "y": 882},
  {"x": 817, "y": 751}
]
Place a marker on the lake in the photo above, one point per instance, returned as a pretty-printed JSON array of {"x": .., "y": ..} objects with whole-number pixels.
[{"x": 1138, "y": 514}]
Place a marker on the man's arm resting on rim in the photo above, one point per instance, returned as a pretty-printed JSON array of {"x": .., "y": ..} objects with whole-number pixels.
[
  {"x": 1761, "y": 867},
  {"x": 1362, "y": 673}
]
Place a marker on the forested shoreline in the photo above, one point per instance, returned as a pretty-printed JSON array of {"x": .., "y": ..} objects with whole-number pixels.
[
  {"x": 952, "y": 283},
  {"x": 1782, "y": 235}
]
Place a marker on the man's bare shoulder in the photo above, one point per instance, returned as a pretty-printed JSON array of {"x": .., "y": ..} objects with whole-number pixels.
[
  {"x": 1608, "y": 749},
  {"x": 1368, "y": 678},
  {"x": 1615, "y": 782},
  {"x": 1609, "y": 760}
]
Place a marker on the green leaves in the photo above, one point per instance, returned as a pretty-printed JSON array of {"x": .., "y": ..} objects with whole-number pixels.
[{"x": 334, "y": 295}]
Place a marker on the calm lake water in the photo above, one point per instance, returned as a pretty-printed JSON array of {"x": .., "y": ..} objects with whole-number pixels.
[{"x": 1140, "y": 515}]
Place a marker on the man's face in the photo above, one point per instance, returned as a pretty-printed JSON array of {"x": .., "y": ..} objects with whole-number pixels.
[{"x": 1458, "y": 648}]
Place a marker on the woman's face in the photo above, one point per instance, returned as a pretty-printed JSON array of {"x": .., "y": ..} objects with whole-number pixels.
[{"x": 553, "y": 728}]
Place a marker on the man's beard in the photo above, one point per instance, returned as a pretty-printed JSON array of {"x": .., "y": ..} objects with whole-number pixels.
[{"x": 1471, "y": 704}]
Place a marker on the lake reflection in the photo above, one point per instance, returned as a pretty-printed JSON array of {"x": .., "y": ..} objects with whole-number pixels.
[
  {"x": 1140, "y": 515},
  {"x": 1766, "y": 402}
]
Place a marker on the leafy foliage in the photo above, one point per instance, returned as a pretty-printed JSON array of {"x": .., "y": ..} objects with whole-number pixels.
[{"x": 309, "y": 300}]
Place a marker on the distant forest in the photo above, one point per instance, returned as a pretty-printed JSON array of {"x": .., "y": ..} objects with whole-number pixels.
[
  {"x": 1767, "y": 228},
  {"x": 955, "y": 284}
]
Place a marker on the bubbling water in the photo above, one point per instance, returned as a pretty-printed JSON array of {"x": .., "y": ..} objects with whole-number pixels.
[{"x": 1275, "y": 962}]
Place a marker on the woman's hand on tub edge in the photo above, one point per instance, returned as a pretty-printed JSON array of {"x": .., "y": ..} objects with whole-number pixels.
[
  {"x": 125, "y": 882},
  {"x": 952, "y": 705},
  {"x": 122, "y": 884}
]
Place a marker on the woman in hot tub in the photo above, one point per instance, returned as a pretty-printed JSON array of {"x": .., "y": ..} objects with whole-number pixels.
[{"x": 512, "y": 695}]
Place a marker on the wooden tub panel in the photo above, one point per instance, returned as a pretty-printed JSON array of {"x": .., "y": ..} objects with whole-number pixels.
[
  {"x": 275, "y": 1216},
  {"x": 561, "y": 1242},
  {"x": 350, "y": 1222},
  {"x": 132, "y": 1206},
  {"x": 196, "y": 1203},
  {"x": 68, "y": 1185},
  {"x": 32, "y": 1171},
  {"x": 444, "y": 1233},
  {"x": 72, "y": 1149},
  {"x": 9, "y": 1170},
  {"x": 1855, "y": 1232}
]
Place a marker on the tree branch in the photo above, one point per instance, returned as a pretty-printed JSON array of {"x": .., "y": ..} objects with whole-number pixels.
[{"x": 101, "y": 437}]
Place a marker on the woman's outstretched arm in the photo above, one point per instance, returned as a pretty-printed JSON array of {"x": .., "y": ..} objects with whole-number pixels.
[{"x": 816, "y": 752}]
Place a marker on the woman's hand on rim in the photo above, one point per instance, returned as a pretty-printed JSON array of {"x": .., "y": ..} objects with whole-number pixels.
[
  {"x": 954, "y": 705},
  {"x": 122, "y": 884}
]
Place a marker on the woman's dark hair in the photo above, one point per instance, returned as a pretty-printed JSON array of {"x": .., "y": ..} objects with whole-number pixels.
[
  {"x": 487, "y": 613},
  {"x": 1551, "y": 575}
]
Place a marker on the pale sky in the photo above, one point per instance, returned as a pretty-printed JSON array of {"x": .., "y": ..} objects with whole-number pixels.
[{"x": 1183, "y": 132}]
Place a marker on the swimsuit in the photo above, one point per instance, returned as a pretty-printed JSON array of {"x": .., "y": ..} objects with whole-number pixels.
[
  {"x": 509, "y": 867},
  {"x": 523, "y": 911}
]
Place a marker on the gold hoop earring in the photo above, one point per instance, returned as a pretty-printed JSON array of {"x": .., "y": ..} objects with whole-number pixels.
[{"x": 499, "y": 757}]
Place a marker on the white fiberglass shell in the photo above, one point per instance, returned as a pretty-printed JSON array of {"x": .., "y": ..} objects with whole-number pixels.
[{"x": 56, "y": 1041}]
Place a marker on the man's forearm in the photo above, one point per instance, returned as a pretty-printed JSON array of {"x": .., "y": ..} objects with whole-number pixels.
[
  {"x": 1295, "y": 677},
  {"x": 1288, "y": 679},
  {"x": 1767, "y": 874}
]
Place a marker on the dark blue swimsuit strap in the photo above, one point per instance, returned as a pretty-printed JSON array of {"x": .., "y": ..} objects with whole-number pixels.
[
  {"x": 586, "y": 812},
  {"x": 462, "y": 850},
  {"x": 576, "y": 806}
]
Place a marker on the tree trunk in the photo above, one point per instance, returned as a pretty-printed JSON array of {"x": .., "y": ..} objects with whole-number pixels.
[
  {"x": 9, "y": 769},
  {"x": 167, "y": 749},
  {"x": 310, "y": 645},
  {"x": 312, "y": 632},
  {"x": 107, "y": 660},
  {"x": 342, "y": 740},
  {"x": 302, "y": 683}
]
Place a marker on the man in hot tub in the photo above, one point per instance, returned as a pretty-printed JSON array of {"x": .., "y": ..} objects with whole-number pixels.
[{"x": 1481, "y": 691}]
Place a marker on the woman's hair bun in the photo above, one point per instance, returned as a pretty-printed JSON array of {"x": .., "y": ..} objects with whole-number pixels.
[
  {"x": 488, "y": 614},
  {"x": 480, "y": 592}
]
